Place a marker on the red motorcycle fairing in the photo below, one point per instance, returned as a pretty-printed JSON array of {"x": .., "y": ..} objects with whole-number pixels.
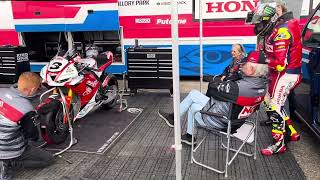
[{"x": 86, "y": 89}]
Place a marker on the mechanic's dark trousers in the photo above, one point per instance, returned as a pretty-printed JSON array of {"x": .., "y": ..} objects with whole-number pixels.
[{"x": 32, "y": 157}]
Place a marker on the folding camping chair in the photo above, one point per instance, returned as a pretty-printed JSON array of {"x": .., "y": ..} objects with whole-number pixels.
[{"x": 245, "y": 134}]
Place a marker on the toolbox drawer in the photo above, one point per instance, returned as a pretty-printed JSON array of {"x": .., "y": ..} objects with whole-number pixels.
[
  {"x": 149, "y": 68},
  {"x": 13, "y": 62}
]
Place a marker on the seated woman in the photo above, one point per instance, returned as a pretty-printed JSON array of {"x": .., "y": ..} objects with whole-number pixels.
[
  {"x": 222, "y": 95},
  {"x": 238, "y": 53}
]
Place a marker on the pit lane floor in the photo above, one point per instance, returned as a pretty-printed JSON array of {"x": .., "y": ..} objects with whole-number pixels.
[{"x": 144, "y": 152}]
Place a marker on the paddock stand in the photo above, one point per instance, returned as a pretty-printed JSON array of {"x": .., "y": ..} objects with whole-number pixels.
[
  {"x": 123, "y": 92},
  {"x": 73, "y": 141},
  {"x": 122, "y": 102}
]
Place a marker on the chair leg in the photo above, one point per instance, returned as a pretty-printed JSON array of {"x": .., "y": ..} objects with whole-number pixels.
[
  {"x": 236, "y": 151},
  {"x": 228, "y": 160},
  {"x": 193, "y": 150},
  {"x": 255, "y": 135},
  {"x": 228, "y": 149},
  {"x": 192, "y": 139}
]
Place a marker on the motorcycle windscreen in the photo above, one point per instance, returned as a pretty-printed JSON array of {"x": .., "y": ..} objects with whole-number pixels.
[{"x": 54, "y": 16}]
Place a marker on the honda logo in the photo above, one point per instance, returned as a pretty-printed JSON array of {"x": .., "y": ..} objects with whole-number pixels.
[{"x": 224, "y": 9}]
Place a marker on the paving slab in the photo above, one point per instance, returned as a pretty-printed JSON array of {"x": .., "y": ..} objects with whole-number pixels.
[{"x": 144, "y": 152}]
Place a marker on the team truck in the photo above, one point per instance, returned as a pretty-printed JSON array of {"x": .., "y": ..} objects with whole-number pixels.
[
  {"x": 116, "y": 25},
  {"x": 306, "y": 98}
]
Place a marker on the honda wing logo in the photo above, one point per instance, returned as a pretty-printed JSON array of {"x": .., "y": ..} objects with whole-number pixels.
[{"x": 246, "y": 112}]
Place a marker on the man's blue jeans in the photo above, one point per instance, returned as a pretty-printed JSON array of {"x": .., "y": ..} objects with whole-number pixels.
[{"x": 195, "y": 101}]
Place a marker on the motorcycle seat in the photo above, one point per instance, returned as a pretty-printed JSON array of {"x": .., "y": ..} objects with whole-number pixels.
[
  {"x": 102, "y": 59},
  {"x": 92, "y": 63}
]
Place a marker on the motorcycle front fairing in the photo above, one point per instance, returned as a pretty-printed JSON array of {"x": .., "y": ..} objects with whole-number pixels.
[
  {"x": 60, "y": 71},
  {"x": 80, "y": 90}
]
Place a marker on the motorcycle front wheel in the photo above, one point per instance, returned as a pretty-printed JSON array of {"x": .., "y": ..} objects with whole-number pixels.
[{"x": 53, "y": 128}]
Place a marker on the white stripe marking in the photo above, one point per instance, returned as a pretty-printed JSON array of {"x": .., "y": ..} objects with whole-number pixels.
[{"x": 194, "y": 41}]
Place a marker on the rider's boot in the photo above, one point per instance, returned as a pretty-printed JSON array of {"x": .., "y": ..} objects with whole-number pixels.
[
  {"x": 269, "y": 111},
  {"x": 294, "y": 135},
  {"x": 290, "y": 130},
  {"x": 277, "y": 147},
  {"x": 267, "y": 121},
  {"x": 278, "y": 135}
]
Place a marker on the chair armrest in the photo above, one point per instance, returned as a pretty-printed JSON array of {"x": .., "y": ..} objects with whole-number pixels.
[{"x": 223, "y": 118}]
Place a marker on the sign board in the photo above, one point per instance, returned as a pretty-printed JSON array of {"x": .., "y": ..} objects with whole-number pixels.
[
  {"x": 228, "y": 9},
  {"x": 224, "y": 9}
]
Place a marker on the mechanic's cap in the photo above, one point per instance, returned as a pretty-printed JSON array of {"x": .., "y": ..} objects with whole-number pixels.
[{"x": 256, "y": 57}]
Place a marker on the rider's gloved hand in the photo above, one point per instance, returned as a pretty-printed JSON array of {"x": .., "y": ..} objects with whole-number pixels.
[{"x": 280, "y": 68}]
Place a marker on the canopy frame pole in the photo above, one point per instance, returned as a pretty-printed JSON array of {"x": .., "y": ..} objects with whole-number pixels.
[{"x": 176, "y": 90}]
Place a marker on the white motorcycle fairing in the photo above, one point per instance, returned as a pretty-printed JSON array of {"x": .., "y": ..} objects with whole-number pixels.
[{"x": 60, "y": 71}]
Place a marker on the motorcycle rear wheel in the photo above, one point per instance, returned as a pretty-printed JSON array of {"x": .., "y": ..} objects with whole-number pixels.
[
  {"x": 113, "y": 86},
  {"x": 53, "y": 128}
]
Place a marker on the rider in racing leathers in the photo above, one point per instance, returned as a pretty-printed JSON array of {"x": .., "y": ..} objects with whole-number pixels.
[{"x": 281, "y": 41}]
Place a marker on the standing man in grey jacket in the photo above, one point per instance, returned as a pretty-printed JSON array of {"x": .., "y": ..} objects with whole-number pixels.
[{"x": 18, "y": 125}]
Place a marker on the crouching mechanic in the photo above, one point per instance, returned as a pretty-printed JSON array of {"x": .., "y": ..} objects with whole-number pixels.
[
  {"x": 18, "y": 125},
  {"x": 249, "y": 90},
  {"x": 281, "y": 40}
]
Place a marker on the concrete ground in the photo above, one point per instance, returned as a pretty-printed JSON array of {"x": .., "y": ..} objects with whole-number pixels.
[
  {"x": 306, "y": 151},
  {"x": 145, "y": 152}
]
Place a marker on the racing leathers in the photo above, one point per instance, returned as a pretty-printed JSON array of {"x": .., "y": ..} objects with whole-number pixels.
[{"x": 283, "y": 48}]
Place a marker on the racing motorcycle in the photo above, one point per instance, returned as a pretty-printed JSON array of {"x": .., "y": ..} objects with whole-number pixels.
[{"x": 77, "y": 86}]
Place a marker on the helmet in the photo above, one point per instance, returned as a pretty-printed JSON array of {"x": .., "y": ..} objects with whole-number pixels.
[
  {"x": 109, "y": 55},
  {"x": 92, "y": 51},
  {"x": 264, "y": 18},
  {"x": 118, "y": 50}
]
